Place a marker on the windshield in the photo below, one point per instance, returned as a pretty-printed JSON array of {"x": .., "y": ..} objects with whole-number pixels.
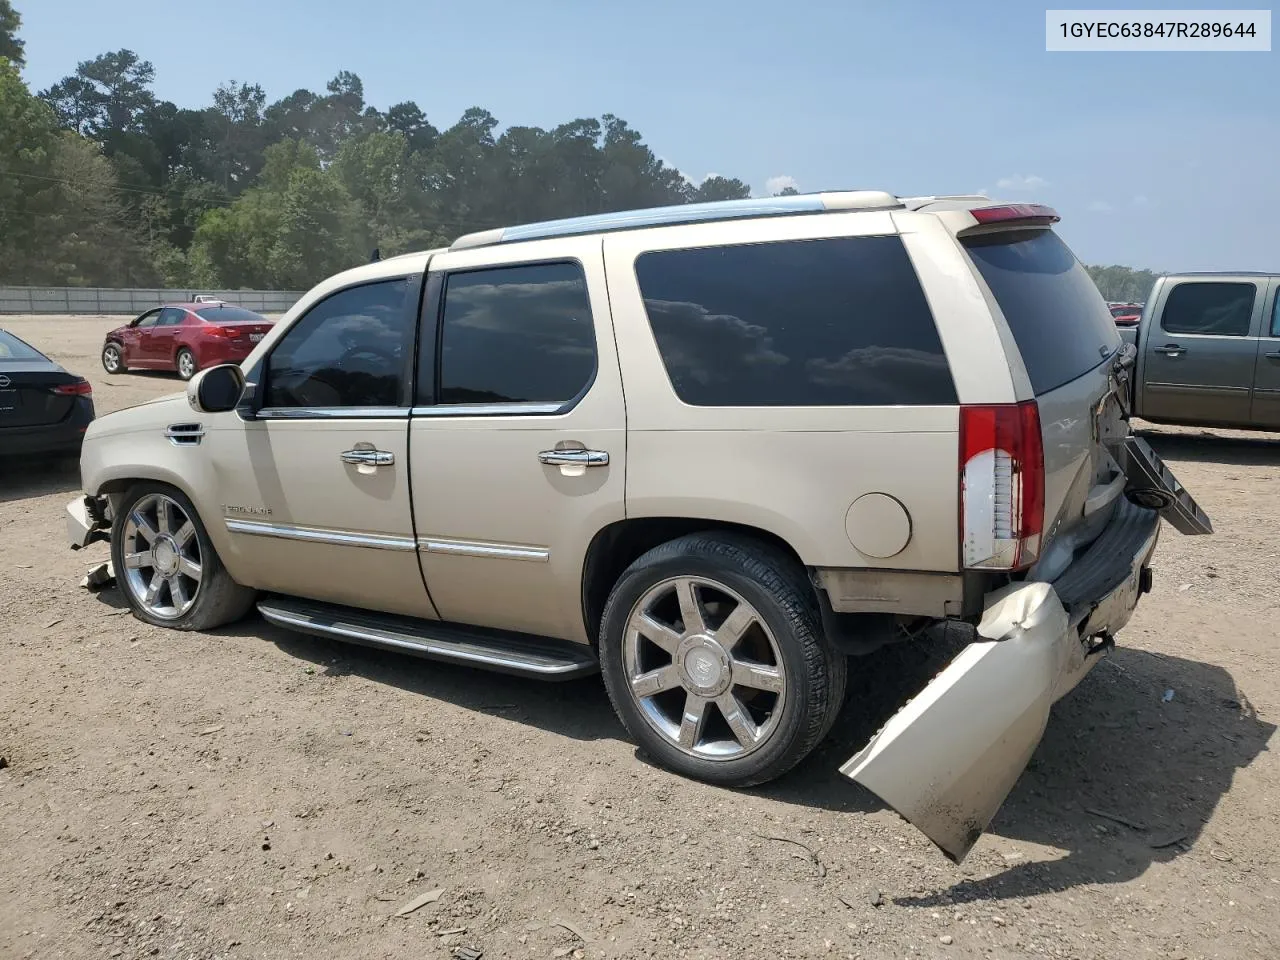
[
  {"x": 225, "y": 314},
  {"x": 12, "y": 349},
  {"x": 1057, "y": 316}
]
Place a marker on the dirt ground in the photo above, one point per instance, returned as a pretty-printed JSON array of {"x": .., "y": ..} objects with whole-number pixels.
[{"x": 256, "y": 793}]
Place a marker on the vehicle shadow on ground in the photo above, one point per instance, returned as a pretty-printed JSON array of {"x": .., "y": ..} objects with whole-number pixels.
[
  {"x": 1209, "y": 447},
  {"x": 39, "y": 477},
  {"x": 1113, "y": 747},
  {"x": 574, "y": 708}
]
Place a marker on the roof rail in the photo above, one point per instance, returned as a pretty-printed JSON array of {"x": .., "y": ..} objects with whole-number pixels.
[{"x": 684, "y": 213}]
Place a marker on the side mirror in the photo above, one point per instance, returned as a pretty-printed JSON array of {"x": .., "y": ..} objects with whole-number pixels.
[{"x": 217, "y": 389}]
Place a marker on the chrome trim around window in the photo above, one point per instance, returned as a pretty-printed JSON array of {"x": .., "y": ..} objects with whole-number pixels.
[
  {"x": 488, "y": 551},
  {"x": 332, "y": 413},
  {"x": 338, "y": 538},
  {"x": 489, "y": 410}
]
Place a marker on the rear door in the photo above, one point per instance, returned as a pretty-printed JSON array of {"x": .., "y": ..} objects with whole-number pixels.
[
  {"x": 1266, "y": 381},
  {"x": 519, "y": 446},
  {"x": 1201, "y": 351}
]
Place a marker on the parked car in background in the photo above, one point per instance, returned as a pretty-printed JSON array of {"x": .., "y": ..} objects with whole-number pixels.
[
  {"x": 1126, "y": 314},
  {"x": 1208, "y": 351},
  {"x": 712, "y": 451},
  {"x": 185, "y": 337},
  {"x": 43, "y": 408}
]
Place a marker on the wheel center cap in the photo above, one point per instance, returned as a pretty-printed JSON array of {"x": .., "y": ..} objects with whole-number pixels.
[
  {"x": 704, "y": 666},
  {"x": 165, "y": 555}
]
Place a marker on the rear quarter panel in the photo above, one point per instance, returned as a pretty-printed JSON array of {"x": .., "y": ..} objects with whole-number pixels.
[{"x": 792, "y": 471}]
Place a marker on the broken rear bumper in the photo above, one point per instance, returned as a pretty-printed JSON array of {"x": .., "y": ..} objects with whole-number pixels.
[{"x": 948, "y": 759}]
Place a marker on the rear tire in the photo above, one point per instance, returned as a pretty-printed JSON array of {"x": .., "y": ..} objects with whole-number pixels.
[
  {"x": 186, "y": 363},
  {"x": 113, "y": 358},
  {"x": 176, "y": 579},
  {"x": 703, "y": 695}
]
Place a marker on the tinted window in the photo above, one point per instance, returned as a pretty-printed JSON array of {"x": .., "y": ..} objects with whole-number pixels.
[
  {"x": 516, "y": 334},
  {"x": 11, "y": 348},
  {"x": 1217, "y": 309},
  {"x": 348, "y": 351},
  {"x": 170, "y": 317},
  {"x": 801, "y": 323},
  {"x": 1057, "y": 316},
  {"x": 230, "y": 315},
  {"x": 148, "y": 319}
]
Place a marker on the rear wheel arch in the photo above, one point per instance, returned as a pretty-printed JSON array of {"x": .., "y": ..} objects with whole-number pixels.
[{"x": 616, "y": 546}]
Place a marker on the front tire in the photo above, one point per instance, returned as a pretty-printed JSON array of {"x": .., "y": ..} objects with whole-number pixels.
[
  {"x": 713, "y": 655},
  {"x": 166, "y": 564},
  {"x": 113, "y": 358},
  {"x": 186, "y": 363}
]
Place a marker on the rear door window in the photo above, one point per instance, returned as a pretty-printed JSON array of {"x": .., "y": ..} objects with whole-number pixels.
[
  {"x": 839, "y": 322},
  {"x": 518, "y": 334},
  {"x": 1058, "y": 318},
  {"x": 1209, "y": 308}
]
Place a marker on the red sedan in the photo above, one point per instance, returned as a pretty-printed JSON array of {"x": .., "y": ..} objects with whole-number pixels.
[{"x": 185, "y": 337}]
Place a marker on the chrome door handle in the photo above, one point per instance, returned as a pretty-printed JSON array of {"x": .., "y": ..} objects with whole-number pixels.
[
  {"x": 582, "y": 458},
  {"x": 371, "y": 458},
  {"x": 1273, "y": 355},
  {"x": 1172, "y": 349}
]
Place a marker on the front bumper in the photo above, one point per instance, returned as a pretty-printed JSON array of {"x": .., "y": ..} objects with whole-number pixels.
[
  {"x": 948, "y": 759},
  {"x": 86, "y": 519}
]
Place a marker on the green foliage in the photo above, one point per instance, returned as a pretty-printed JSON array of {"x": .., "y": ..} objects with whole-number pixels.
[
  {"x": 1123, "y": 284},
  {"x": 102, "y": 183},
  {"x": 10, "y": 46}
]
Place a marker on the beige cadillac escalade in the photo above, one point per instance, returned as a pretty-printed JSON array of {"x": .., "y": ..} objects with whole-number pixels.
[{"x": 716, "y": 453}]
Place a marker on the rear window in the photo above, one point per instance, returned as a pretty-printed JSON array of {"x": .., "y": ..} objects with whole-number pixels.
[
  {"x": 224, "y": 314},
  {"x": 1058, "y": 318},
  {"x": 11, "y": 348},
  {"x": 839, "y": 322}
]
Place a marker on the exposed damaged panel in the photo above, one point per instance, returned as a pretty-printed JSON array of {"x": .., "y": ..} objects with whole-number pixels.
[{"x": 948, "y": 759}]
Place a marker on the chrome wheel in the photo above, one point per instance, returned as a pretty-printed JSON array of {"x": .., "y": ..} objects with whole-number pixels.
[
  {"x": 111, "y": 359},
  {"x": 704, "y": 669},
  {"x": 161, "y": 555},
  {"x": 186, "y": 365}
]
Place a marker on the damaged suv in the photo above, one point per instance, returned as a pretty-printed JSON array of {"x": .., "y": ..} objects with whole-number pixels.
[{"x": 721, "y": 453}]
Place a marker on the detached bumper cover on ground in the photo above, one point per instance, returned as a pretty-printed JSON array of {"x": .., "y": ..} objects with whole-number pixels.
[{"x": 948, "y": 759}]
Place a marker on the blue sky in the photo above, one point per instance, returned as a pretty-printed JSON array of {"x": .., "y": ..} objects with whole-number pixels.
[{"x": 1163, "y": 160}]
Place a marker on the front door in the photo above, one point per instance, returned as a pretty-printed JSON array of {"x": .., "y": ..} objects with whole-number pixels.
[
  {"x": 159, "y": 345},
  {"x": 135, "y": 336},
  {"x": 1266, "y": 378},
  {"x": 1200, "y": 352},
  {"x": 314, "y": 488},
  {"x": 519, "y": 448}
]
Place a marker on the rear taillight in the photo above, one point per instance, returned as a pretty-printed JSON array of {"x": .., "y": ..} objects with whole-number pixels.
[
  {"x": 225, "y": 333},
  {"x": 1127, "y": 321},
  {"x": 81, "y": 388},
  {"x": 1001, "y": 485}
]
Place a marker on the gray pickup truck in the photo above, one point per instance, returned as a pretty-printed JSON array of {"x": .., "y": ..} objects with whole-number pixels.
[{"x": 1208, "y": 351}]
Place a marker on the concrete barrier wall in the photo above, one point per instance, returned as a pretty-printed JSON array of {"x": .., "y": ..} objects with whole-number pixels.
[{"x": 132, "y": 301}]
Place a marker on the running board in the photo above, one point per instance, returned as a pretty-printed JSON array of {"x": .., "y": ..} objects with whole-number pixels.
[{"x": 515, "y": 653}]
